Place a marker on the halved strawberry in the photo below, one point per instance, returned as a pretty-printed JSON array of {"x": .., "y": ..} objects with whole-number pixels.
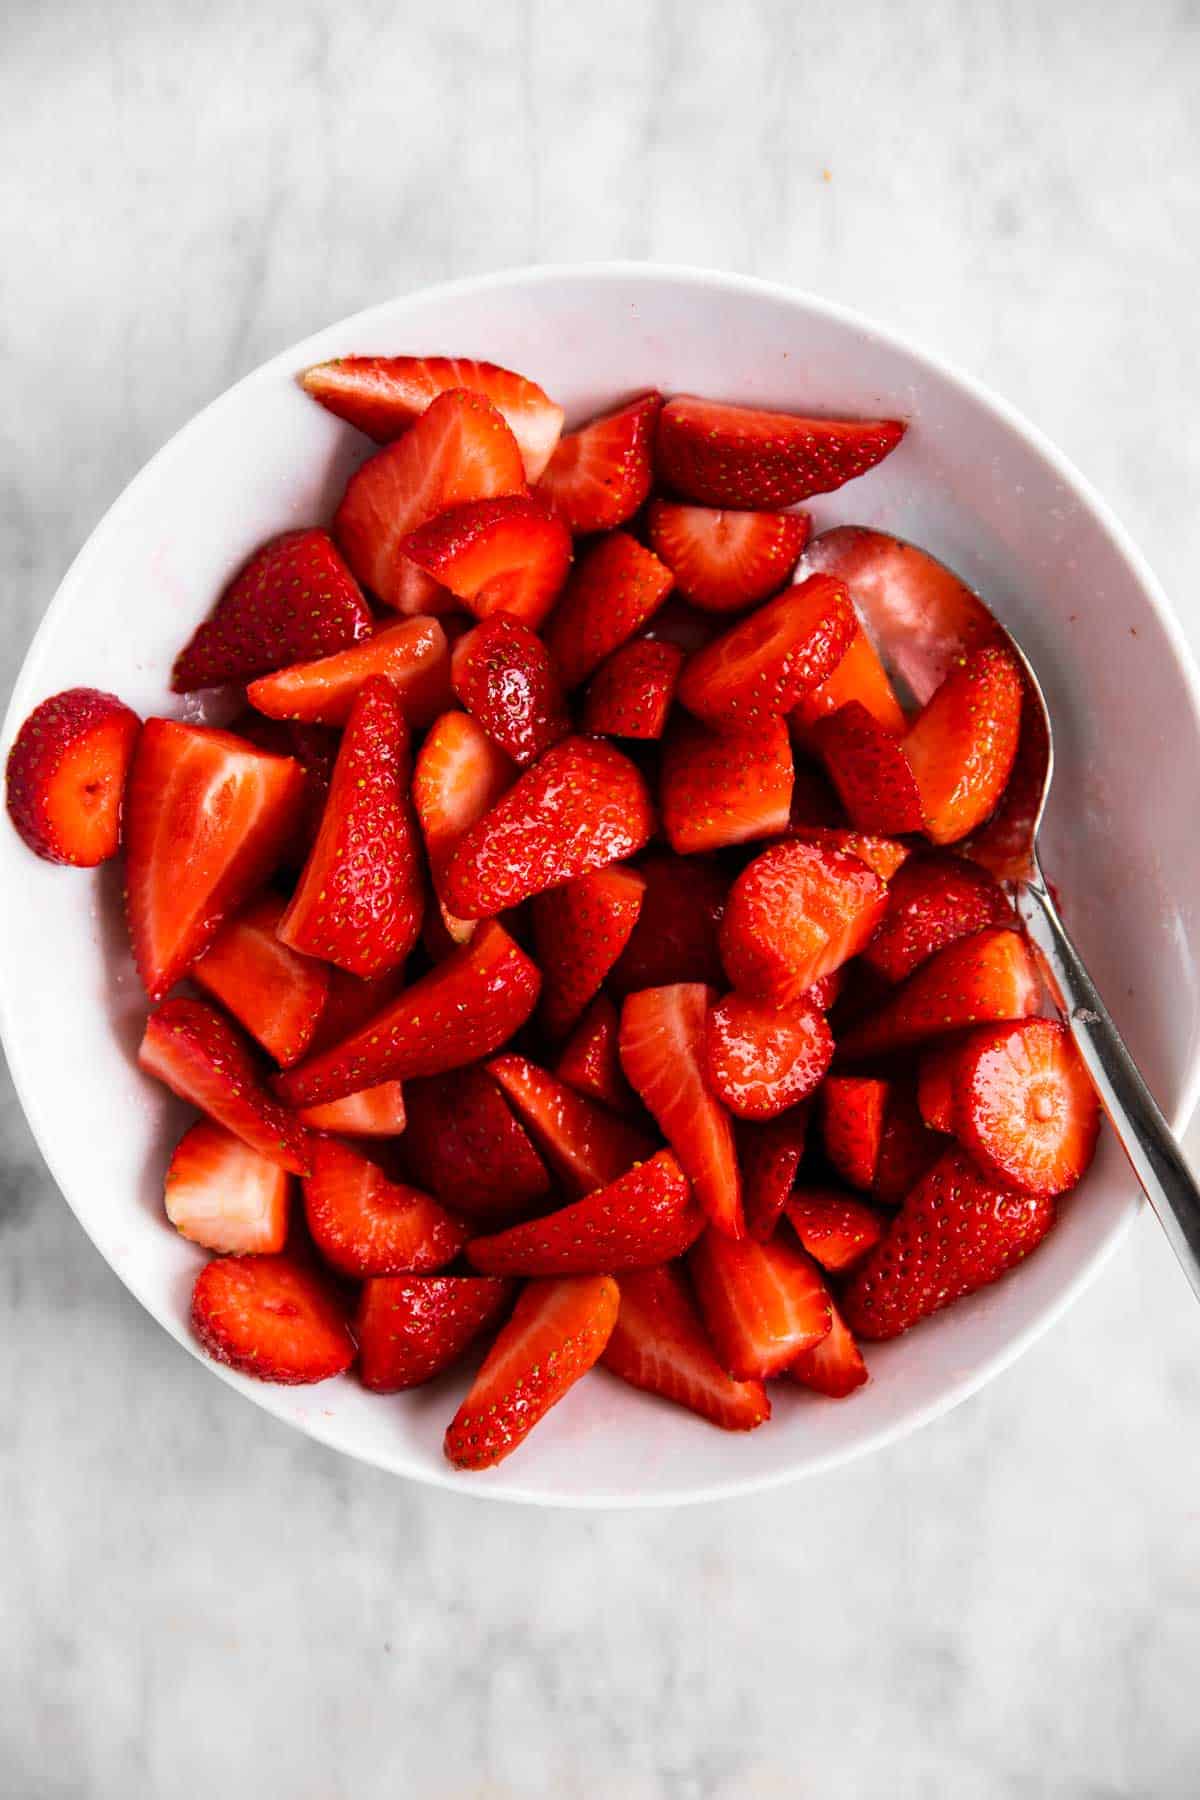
[
  {"x": 852, "y": 1115},
  {"x": 663, "y": 1056},
  {"x": 557, "y": 1332},
  {"x": 269, "y": 1317},
  {"x": 935, "y": 1085},
  {"x": 459, "y": 773},
  {"x": 465, "y": 1145},
  {"x": 908, "y": 1149},
  {"x": 725, "y": 561},
  {"x": 981, "y": 978},
  {"x": 836, "y": 1230},
  {"x": 587, "y": 1146},
  {"x": 760, "y": 667},
  {"x": 314, "y": 747},
  {"x": 600, "y": 475},
  {"x": 677, "y": 934},
  {"x": 859, "y": 676},
  {"x": 762, "y": 1303},
  {"x": 835, "y": 1366},
  {"x": 932, "y": 902},
  {"x": 374, "y": 1112},
  {"x": 632, "y": 691},
  {"x": 869, "y": 768},
  {"x": 591, "y": 1059},
  {"x": 614, "y": 590},
  {"x": 351, "y": 1001},
  {"x": 722, "y": 455},
  {"x": 224, "y": 1195},
  {"x": 724, "y": 788},
  {"x": 66, "y": 776},
  {"x": 503, "y": 675},
  {"x": 275, "y": 993},
  {"x": 364, "y": 1224},
  {"x": 659, "y": 1344},
  {"x": 414, "y": 655},
  {"x": 824, "y": 994},
  {"x": 500, "y": 556},
  {"x": 647, "y": 1216},
  {"x": 579, "y": 931},
  {"x": 882, "y": 854},
  {"x": 962, "y": 746},
  {"x": 1024, "y": 1106},
  {"x": 764, "y": 1059},
  {"x": 795, "y": 913},
  {"x": 582, "y": 806},
  {"x": 770, "y": 1155},
  {"x": 411, "y": 1327}
]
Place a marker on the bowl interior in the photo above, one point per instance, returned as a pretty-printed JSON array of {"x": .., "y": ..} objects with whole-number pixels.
[{"x": 970, "y": 482}]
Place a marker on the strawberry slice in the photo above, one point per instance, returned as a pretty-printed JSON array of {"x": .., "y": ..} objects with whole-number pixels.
[
  {"x": 647, "y": 1216},
  {"x": 663, "y": 1056},
  {"x": 794, "y": 914},
  {"x": 374, "y": 1112},
  {"x": 414, "y": 655},
  {"x": 632, "y": 691},
  {"x": 721, "y": 455},
  {"x": 558, "y": 1330},
  {"x": 591, "y": 1058},
  {"x": 361, "y": 898},
  {"x": 677, "y": 934},
  {"x": 351, "y": 1001},
  {"x": 727, "y": 788},
  {"x": 882, "y": 854},
  {"x": 962, "y": 746},
  {"x": 465, "y": 1145},
  {"x": 364, "y": 1224},
  {"x": 600, "y": 475},
  {"x": 676, "y": 622},
  {"x": 384, "y": 395},
  {"x": 587, "y": 1146},
  {"x": 411, "y": 1327},
  {"x": 460, "y": 449},
  {"x": 615, "y": 589},
  {"x": 870, "y": 770},
  {"x": 760, "y": 667},
  {"x": 981, "y": 978},
  {"x": 825, "y": 993},
  {"x": 932, "y": 902},
  {"x": 220, "y": 1193},
  {"x": 269, "y": 1317},
  {"x": 502, "y": 674},
  {"x": 500, "y": 556},
  {"x": 835, "y": 1366},
  {"x": 66, "y": 776},
  {"x": 852, "y": 1115},
  {"x": 1025, "y": 1107},
  {"x": 584, "y": 805},
  {"x": 770, "y": 1155},
  {"x": 762, "y": 1303},
  {"x": 935, "y": 1085},
  {"x": 206, "y": 820},
  {"x": 954, "y": 1233},
  {"x": 579, "y": 931},
  {"x": 859, "y": 676},
  {"x": 907, "y": 1148},
  {"x": 459, "y": 773},
  {"x": 659, "y": 1344},
  {"x": 835, "y": 1230},
  {"x": 276, "y": 994},
  {"x": 764, "y": 1059},
  {"x": 726, "y": 561}
]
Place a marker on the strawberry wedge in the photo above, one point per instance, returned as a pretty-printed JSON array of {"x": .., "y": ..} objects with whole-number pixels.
[
  {"x": 659, "y": 1344},
  {"x": 269, "y": 1317},
  {"x": 794, "y": 914},
  {"x": 509, "y": 555},
  {"x": 464, "y": 1144},
  {"x": 721, "y": 455},
  {"x": 222, "y": 1194},
  {"x": 587, "y": 1146},
  {"x": 761, "y": 666},
  {"x": 275, "y": 993},
  {"x": 411, "y": 1327},
  {"x": 725, "y": 561},
  {"x": 614, "y": 591},
  {"x": 600, "y": 475},
  {"x": 579, "y": 931},
  {"x": 413, "y": 655},
  {"x": 363, "y": 1224},
  {"x": 645, "y": 1217},
  {"x": 762, "y": 1303},
  {"x": 722, "y": 788},
  {"x": 981, "y": 978}
]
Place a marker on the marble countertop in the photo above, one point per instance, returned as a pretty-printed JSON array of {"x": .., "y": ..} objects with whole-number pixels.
[{"x": 193, "y": 1600}]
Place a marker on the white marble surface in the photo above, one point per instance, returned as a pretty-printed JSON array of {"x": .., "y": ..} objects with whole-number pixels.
[{"x": 195, "y": 1601}]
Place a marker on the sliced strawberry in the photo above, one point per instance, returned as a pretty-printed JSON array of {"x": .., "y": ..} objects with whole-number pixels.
[
  {"x": 721, "y": 455},
  {"x": 582, "y": 806},
  {"x": 907, "y": 1149},
  {"x": 222, "y": 1194},
  {"x": 647, "y": 1216},
  {"x": 587, "y": 1146},
  {"x": 962, "y": 746},
  {"x": 825, "y": 993},
  {"x": 269, "y": 1317},
  {"x": 66, "y": 776},
  {"x": 852, "y": 1115},
  {"x": 659, "y": 1344},
  {"x": 933, "y": 902},
  {"x": 459, "y": 773},
  {"x": 503, "y": 675},
  {"x": 764, "y": 1059},
  {"x": 727, "y": 788},
  {"x": 414, "y": 655},
  {"x": 882, "y": 854},
  {"x": 558, "y": 1330},
  {"x": 954, "y": 1233},
  {"x": 500, "y": 556},
  {"x": 859, "y": 676},
  {"x": 981, "y": 978},
  {"x": 591, "y": 1058},
  {"x": 632, "y": 691},
  {"x": 374, "y": 1112},
  {"x": 351, "y": 1002},
  {"x": 770, "y": 1155},
  {"x": 759, "y": 668},
  {"x": 1024, "y": 1106},
  {"x": 614, "y": 590},
  {"x": 794, "y": 914},
  {"x": 364, "y": 1224},
  {"x": 762, "y": 1303},
  {"x": 600, "y": 475},
  {"x": 677, "y": 623},
  {"x": 579, "y": 931},
  {"x": 870, "y": 770},
  {"x": 935, "y": 1085},
  {"x": 677, "y": 935},
  {"x": 836, "y": 1230},
  {"x": 276, "y": 994},
  {"x": 835, "y": 1366},
  {"x": 726, "y": 561},
  {"x": 314, "y": 747},
  {"x": 411, "y": 1327},
  {"x": 663, "y": 1056},
  {"x": 464, "y": 1144}
]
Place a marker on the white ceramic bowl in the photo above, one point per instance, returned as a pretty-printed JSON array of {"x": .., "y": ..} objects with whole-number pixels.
[{"x": 972, "y": 482}]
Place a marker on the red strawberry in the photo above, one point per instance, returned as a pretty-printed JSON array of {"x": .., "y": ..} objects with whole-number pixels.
[
  {"x": 760, "y": 667},
  {"x": 988, "y": 976},
  {"x": 271, "y": 1318},
  {"x": 631, "y": 693},
  {"x": 907, "y": 1147},
  {"x": 852, "y": 1115},
  {"x": 725, "y": 561},
  {"x": 587, "y": 1146},
  {"x": 351, "y": 1001},
  {"x": 314, "y": 747},
  {"x": 882, "y": 854},
  {"x": 677, "y": 935},
  {"x": 414, "y": 655},
  {"x": 725, "y": 789},
  {"x": 935, "y": 1085},
  {"x": 663, "y": 1056},
  {"x": 764, "y": 1059},
  {"x": 66, "y": 776},
  {"x": 591, "y": 1059},
  {"x": 503, "y": 675},
  {"x": 360, "y": 900},
  {"x": 825, "y": 993},
  {"x": 222, "y": 1194},
  {"x": 274, "y": 993},
  {"x": 677, "y": 623},
  {"x": 1025, "y": 1107},
  {"x": 962, "y": 746},
  {"x": 762, "y": 1303},
  {"x": 721, "y": 455},
  {"x": 836, "y": 1230},
  {"x": 815, "y": 806},
  {"x": 835, "y": 1366},
  {"x": 859, "y": 676},
  {"x": 364, "y": 1224},
  {"x": 464, "y": 1144},
  {"x": 614, "y": 590},
  {"x": 459, "y": 773},
  {"x": 384, "y": 395},
  {"x": 584, "y": 805},
  {"x": 645, "y": 1217},
  {"x": 411, "y": 1327},
  {"x": 795, "y": 913},
  {"x": 558, "y": 1330},
  {"x": 579, "y": 931},
  {"x": 659, "y": 1344},
  {"x": 770, "y": 1155},
  {"x": 374, "y": 1112},
  {"x": 933, "y": 902},
  {"x": 501, "y": 556},
  {"x": 869, "y": 769},
  {"x": 953, "y": 1234},
  {"x": 600, "y": 475},
  {"x": 460, "y": 449}
]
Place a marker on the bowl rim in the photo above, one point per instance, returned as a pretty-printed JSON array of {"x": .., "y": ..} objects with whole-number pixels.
[{"x": 511, "y": 1487}]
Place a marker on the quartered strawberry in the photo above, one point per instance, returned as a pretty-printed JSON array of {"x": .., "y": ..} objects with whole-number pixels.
[
  {"x": 721, "y": 455},
  {"x": 762, "y": 1059},
  {"x": 852, "y": 1115},
  {"x": 465, "y": 1145},
  {"x": 859, "y": 676},
  {"x": 935, "y": 1085},
  {"x": 66, "y": 776},
  {"x": 411, "y": 1327},
  {"x": 962, "y": 746},
  {"x": 882, "y": 854},
  {"x": 459, "y": 773},
  {"x": 908, "y": 1149},
  {"x": 586, "y": 1146},
  {"x": 647, "y": 1216},
  {"x": 591, "y": 1060},
  {"x": 677, "y": 623},
  {"x": 614, "y": 590},
  {"x": 582, "y": 806},
  {"x": 955, "y": 1233},
  {"x": 460, "y": 449},
  {"x": 835, "y": 1366},
  {"x": 726, "y": 561},
  {"x": 351, "y": 1002},
  {"x": 558, "y": 1330},
  {"x": 770, "y": 1155},
  {"x": 374, "y": 1112},
  {"x": 835, "y": 1230},
  {"x": 759, "y": 668},
  {"x": 870, "y": 770},
  {"x": 384, "y": 395},
  {"x": 294, "y": 600},
  {"x": 659, "y": 1344},
  {"x": 224, "y": 1195},
  {"x": 932, "y": 902},
  {"x": 632, "y": 691},
  {"x": 762, "y": 1303},
  {"x": 361, "y": 898},
  {"x": 270, "y": 1317},
  {"x": 981, "y": 978},
  {"x": 677, "y": 934},
  {"x": 206, "y": 819},
  {"x": 499, "y": 556},
  {"x": 503, "y": 675},
  {"x": 414, "y": 655},
  {"x": 275, "y": 993},
  {"x": 579, "y": 931},
  {"x": 364, "y": 1224},
  {"x": 462, "y": 1010},
  {"x": 600, "y": 475},
  {"x": 794, "y": 914},
  {"x": 724, "y": 788},
  {"x": 315, "y": 748},
  {"x": 1024, "y": 1106},
  {"x": 663, "y": 1056}
]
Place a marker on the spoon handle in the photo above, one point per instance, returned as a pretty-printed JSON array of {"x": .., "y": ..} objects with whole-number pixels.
[{"x": 1144, "y": 1134}]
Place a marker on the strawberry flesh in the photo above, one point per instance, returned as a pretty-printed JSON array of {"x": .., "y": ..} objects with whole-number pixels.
[
  {"x": 1024, "y": 1106},
  {"x": 726, "y": 561},
  {"x": 66, "y": 776},
  {"x": 509, "y": 555},
  {"x": 986, "y": 977},
  {"x": 762, "y": 1303},
  {"x": 414, "y": 655},
  {"x": 586, "y": 1146},
  {"x": 614, "y": 591},
  {"x": 962, "y": 747},
  {"x": 853, "y": 1109},
  {"x": 859, "y": 676},
  {"x": 725, "y": 788},
  {"x": 659, "y": 1344},
  {"x": 591, "y": 1059},
  {"x": 835, "y": 1230},
  {"x": 794, "y": 914},
  {"x": 760, "y": 667},
  {"x": 270, "y": 1317},
  {"x": 600, "y": 475},
  {"x": 374, "y": 1112},
  {"x": 835, "y": 1366},
  {"x": 411, "y": 1327},
  {"x": 647, "y": 1216},
  {"x": 722, "y": 455},
  {"x": 271, "y": 990},
  {"x": 769, "y": 1155},
  {"x": 222, "y": 1194},
  {"x": 363, "y": 1224},
  {"x": 764, "y": 1059}
]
